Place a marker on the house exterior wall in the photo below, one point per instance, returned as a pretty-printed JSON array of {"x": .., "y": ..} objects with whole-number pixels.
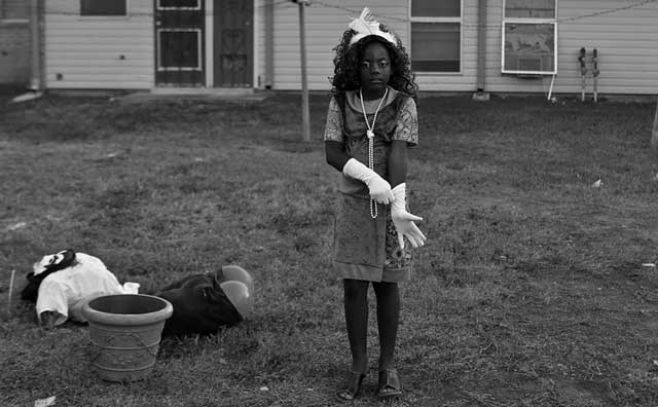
[
  {"x": 118, "y": 52},
  {"x": 324, "y": 27},
  {"x": 99, "y": 52},
  {"x": 14, "y": 42},
  {"x": 624, "y": 37}
]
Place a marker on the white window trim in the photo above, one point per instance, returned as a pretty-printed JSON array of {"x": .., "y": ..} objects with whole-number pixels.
[
  {"x": 526, "y": 20},
  {"x": 209, "y": 25},
  {"x": 198, "y": 66},
  {"x": 459, "y": 20}
]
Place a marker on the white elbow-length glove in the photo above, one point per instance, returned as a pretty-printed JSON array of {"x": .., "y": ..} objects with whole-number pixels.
[
  {"x": 380, "y": 189},
  {"x": 403, "y": 220}
]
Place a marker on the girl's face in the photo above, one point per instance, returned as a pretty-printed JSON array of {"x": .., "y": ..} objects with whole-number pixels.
[{"x": 375, "y": 69}]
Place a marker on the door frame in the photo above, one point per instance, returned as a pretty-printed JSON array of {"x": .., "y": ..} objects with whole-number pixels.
[
  {"x": 210, "y": 45},
  {"x": 210, "y": 27},
  {"x": 158, "y": 29}
]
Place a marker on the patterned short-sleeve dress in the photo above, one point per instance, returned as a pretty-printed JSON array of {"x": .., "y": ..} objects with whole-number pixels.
[{"x": 367, "y": 248}]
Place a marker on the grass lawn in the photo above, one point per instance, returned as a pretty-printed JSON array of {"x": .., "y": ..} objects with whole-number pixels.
[{"x": 531, "y": 290}]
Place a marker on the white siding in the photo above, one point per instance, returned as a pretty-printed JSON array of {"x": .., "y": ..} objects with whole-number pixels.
[
  {"x": 118, "y": 52},
  {"x": 99, "y": 52},
  {"x": 325, "y": 24},
  {"x": 626, "y": 40}
]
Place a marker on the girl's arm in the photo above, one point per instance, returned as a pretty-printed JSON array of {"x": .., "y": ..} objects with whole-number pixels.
[
  {"x": 406, "y": 135},
  {"x": 397, "y": 168},
  {"x": 402, "y": 219},
  {"x": 397, "y": 163},
  {"x": 378, "y": 187},
  {"x": 334, "y": 145},
  {"x": 335, "y": 153}
]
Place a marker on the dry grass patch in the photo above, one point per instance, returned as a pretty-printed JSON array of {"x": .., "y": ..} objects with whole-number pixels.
[{"x": 530, "y": 291}]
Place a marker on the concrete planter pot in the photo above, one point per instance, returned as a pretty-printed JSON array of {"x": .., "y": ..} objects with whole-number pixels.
[{"x": 125, "y": 332}]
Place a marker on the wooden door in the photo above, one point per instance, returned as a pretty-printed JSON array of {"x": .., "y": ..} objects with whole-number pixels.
[
  {"x": 233, "y": 43},
  {"x": 179, "y": 41}
]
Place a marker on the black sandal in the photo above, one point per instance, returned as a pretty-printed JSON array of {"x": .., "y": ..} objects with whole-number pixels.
[
  {"x": 389, "y": 384},
  {"x": 353, "y": 387}
]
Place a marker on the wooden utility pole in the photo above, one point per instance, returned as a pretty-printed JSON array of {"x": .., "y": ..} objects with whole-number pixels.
[
  {"x": 480, "y": 93},
  {"x": 654, "y": 130},
  {"x": 306, "y": 116},
  {"x": 269, "y": 44},
  {"x": 35, "y": 50},
  {"x": 482, "y": 46}
]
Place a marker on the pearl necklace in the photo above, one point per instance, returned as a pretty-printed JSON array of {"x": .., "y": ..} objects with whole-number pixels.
[{"x": 371, "y": 135}]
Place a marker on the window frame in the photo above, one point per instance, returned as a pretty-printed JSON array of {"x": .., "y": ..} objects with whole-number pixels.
[
  {"x": 529, "y": 21},
  {"x": 98, "y": 16},
  {"x": 4, "y": 20},
  {"x": 160, "y": 7},
  {"x": 438, "y": 20},
  {"x": 159, "y": 52}
]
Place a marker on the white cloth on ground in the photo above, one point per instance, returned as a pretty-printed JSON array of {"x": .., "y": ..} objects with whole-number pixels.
[{"x": 65, "y": 291}]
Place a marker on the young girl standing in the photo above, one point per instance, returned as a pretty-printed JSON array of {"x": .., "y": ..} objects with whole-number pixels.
[{"x": 371, "y": 122}]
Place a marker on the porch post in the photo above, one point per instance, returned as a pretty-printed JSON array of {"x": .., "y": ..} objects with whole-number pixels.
[
  {"x": 210, "y": 43},
  {"x": 269, "y": 44},
  {"x": 654, "y": 130},
  {"x": 35, "y": 47},
  {"x": 480, "y": 93},
  {"x": 306, "y": 120}
]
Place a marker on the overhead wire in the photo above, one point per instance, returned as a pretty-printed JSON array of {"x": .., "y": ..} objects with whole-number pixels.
[
  {"x": 384, "y": 17},
  {"x": 608, "y": 11},
  {"x": 355, "y": 12},
  {"x": 352, "y": 13}
]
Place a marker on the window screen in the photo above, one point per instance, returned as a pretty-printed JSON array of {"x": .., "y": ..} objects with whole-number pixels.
[
  {"x": 103, "y": 7},
  {"x": 434, "y": 8},
  {"x": 14, "y": 10},
  {"x": 529, "y": 37},
  {"x": 435, "y": 44},
  {"x": 436, "y": 47},
  {"x": 530, "y": 8},
  {"x": 179, "y": 4},
  {"x": 180, "y": 49}
]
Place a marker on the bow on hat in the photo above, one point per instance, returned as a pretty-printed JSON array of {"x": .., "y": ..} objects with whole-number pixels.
[{"x": 366, "y": 25}]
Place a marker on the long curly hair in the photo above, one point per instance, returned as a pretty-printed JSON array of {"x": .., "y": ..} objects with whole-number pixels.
[{"x": 347, "y": 63}]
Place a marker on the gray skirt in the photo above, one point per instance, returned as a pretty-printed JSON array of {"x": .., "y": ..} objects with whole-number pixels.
[{"x": 367, "y": 248}]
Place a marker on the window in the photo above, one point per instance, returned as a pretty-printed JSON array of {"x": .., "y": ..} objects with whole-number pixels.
[
  {"x": 14, "y": 10},
  {"x": 179, "y": 49},
  {"x": 436, "y": 35},
  {"x": 179, "y": 4},
  {"x": 103, "y": 7},
  {"x": 530, "y": 37}
]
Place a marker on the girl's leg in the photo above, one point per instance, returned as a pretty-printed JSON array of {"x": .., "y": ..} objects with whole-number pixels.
[
  {"x": 388, "y": 316},
  {"x": 356, "y": 318}
]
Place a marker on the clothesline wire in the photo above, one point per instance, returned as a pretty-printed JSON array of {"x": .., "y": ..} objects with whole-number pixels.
[{"x": 355, "y": 12}]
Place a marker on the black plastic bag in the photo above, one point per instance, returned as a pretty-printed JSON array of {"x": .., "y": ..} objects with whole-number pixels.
[{"x": 200, "y": 305}]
